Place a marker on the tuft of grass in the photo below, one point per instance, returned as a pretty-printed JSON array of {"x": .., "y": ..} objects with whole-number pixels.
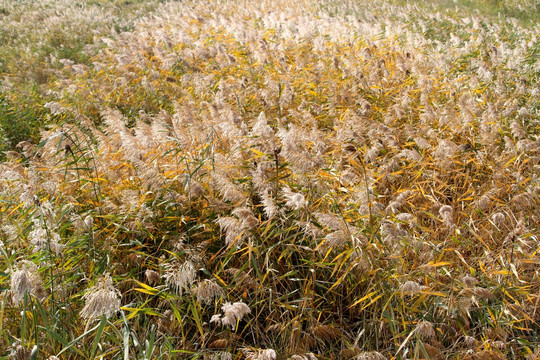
[{"x": 18, "y": 124}]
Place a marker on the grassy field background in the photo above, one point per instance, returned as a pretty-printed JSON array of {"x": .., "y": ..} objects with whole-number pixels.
[{"x": 271, "y": 180}]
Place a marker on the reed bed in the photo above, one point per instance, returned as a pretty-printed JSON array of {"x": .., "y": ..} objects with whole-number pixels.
[{"x": 281, "y": 180}]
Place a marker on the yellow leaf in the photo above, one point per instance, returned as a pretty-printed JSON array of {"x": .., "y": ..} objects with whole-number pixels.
[
  {"x": 257, "y": 152},
  {"x": 147, "y": 289},
  {"x": 437, "y": 264},
  {"x": 16, "y": 208},
  {"x": 434, "y": 293},
  {"x": 220, "y": 280},
  {"x": 372, "y": 301},
  {"x": 364, "y": 298}
]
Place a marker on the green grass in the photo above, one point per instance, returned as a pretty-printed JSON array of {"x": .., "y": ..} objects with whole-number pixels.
[
  {"x": 19, "y": 123},
  {"x": 526, "y": 12},
  {"x": 30, "y": 42}
]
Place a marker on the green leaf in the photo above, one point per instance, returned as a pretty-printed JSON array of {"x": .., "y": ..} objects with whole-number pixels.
[
  {"x": 34, "y": 354},
  {"x": 99, "y": 332}
]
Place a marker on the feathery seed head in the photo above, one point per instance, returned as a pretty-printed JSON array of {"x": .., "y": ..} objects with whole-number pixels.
[
  {"x": 295, "y": 201},
  {"x": 152, "y": 276},
  {"x": 220, "y": 355},
  {"x": 483, "y": 293},
  {"x": 337, "y": 239},
  {"x": 207, "y": 290},
  {"x": 405, "y": 217},
  {"x": 101, "y": 299},
  {"x": 24, "y": 280},
  {"x": 464, "y": 305},
  {"x": 410, "y": 288},
  {"x": 249, "y": 221},
  {"x": 233, "y": 229},
  {"x": 19, "y": 352},
  {"x": 232, "y": 314},
  {"x": 270, "y": 207},
  {"x": 259, "y": 354},
  {"x": 370, "y": 355},
  {"x": 469, "y": 280},
  {"x": 498, "y": 218},
  {"x": 180, "y": 276},
  {"x": 446, "y": 213},
  {"x": 228, "y": 190},
  {"x": 425, "y": 329},
  {"x": 308, "y": 356},
  {"x": 43, "y": 240},
  {"x": 330, "y": 220},
  {"x": 470, "y": 342}
]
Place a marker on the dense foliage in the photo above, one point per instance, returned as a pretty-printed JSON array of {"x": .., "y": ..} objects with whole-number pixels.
[{"x": 276, "y": 180}]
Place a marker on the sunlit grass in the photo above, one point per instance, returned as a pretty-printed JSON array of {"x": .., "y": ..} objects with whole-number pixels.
[
  {"x": 279, "y": 181},
  {"x": 35, "y": 36}
]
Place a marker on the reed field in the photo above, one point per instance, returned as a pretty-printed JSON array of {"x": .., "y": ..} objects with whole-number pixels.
[{"x": 269, "y": 180}]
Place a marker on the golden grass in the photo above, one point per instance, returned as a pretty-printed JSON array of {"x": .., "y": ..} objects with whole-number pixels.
[{"x": 276, "y": 180}]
